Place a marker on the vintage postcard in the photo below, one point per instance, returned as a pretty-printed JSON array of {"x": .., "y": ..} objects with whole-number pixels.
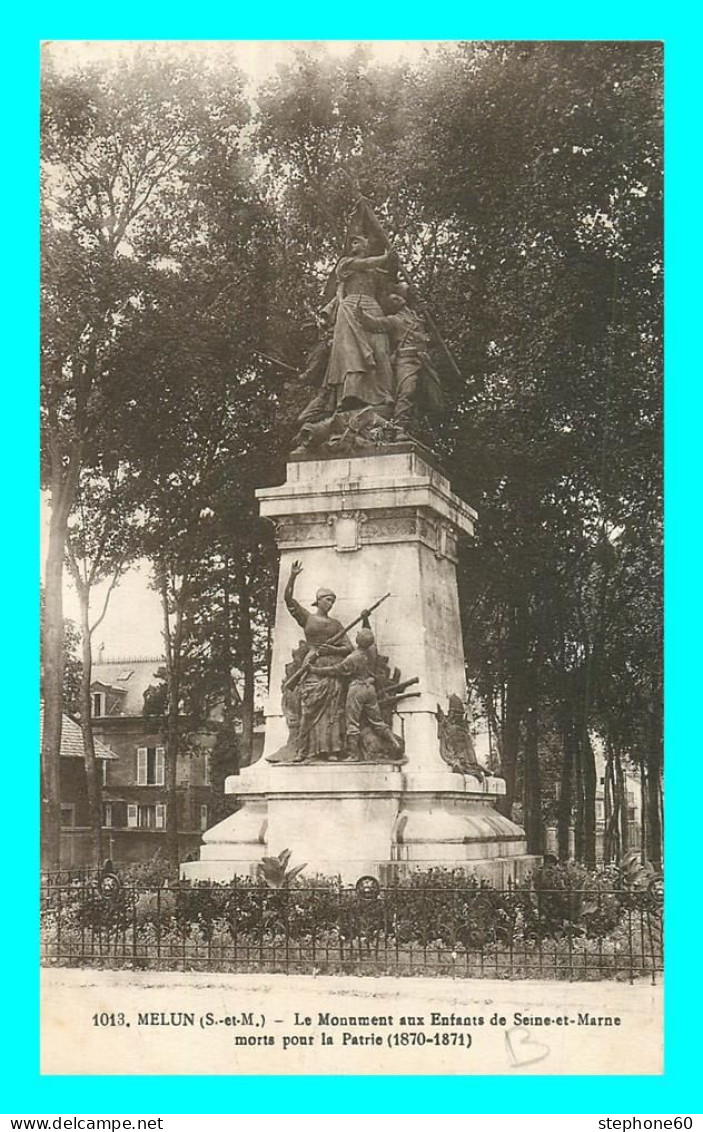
[{"x": 351, "y": 752}]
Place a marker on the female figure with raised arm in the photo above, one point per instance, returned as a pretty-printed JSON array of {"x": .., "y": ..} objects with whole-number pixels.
[
  {"x": 359, "y": 370},
  {"x": 322, "y": 697}
]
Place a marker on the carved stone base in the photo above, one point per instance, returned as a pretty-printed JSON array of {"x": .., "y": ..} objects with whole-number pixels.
[
  {"x": 363, "y": 527},
  {"x": 351, "y": 820}
]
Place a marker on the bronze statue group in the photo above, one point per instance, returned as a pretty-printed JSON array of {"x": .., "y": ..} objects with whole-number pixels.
[
  {"x": 377, "y": 378},
  {"x": 330, "y": 694}
]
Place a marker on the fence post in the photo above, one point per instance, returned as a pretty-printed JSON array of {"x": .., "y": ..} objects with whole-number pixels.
[
  {"x": 629, "y": 939},
  {"x": 58, "y": 924},
  {"x": 133, "y": 894}
]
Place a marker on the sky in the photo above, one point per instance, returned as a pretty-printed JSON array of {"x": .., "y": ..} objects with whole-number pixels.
[
  {"x": 257, "y": 58},
  {"x": 132, "y": 625}
]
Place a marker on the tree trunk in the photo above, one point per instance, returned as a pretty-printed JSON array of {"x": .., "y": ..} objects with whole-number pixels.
[
  {"x": 95, "y": 799},
  {"x": 65, "y": 470},
  {"x": 644, "y": 806},
  {"x": 246, "y": 653},
  {"x": 580, "y": 816},
  {"x": 53, "y": 659},
  {"x": 616, "y": 837},
  {"x": 565, "y": 795},
  {"x": 171, "y": 776},
  {"x": 228, "y": 664},
  {"x": 515, "y": 709},
  {"x": 93, "y": 783},
  {"x": 63, "y": 483},
  {"x": 172, "y": 645},
  {"x": 510, "y": 745},
  {"x": 654, "y": 830},
  {"x": 654, "y": 783},
  {"x": 622, "y": 804},
  {"x": 534, "y": 827},
  {"x": 590, "y": 779},
  {"x": 611, "y": 839},
  {"x": 227, "y": 640},
  {"x": 495, "y": 755}
]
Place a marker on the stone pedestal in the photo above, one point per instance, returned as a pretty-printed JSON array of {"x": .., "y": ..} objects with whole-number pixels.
[{"x": 365, "y": 526}]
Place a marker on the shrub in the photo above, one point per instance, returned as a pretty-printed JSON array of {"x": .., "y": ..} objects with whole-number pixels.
[{"x": 561, "y": 922}]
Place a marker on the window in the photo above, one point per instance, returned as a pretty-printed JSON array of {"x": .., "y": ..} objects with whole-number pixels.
[
  {"x": 150, "y": 766},
  {"x": 104, "y": 772},
  {"x": 107, "y": 815},
  {"x": 203, "y": 816},
  {"x": 68, "y": 815},
  {"x": 98, "y": 703},
  {"x": 206, "y": 771},
  {"x": 146, "y": 817},
  {"x": 600, "y": 810}
]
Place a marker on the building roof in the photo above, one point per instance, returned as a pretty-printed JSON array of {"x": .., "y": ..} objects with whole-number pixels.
[
  {"x": 72, "y": 739},
  {"x": 130, "y": 676}
]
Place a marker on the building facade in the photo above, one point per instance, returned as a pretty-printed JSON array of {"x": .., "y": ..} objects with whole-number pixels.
[
  {"x": 127, "y": 712},
  {"x": 134, "y": 787},
  {"x": 633, "y": 796},
  {"x": 76, "y": 849}
]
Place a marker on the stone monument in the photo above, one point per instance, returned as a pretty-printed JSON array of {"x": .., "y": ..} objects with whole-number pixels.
[{"x": 368, "y": 766}]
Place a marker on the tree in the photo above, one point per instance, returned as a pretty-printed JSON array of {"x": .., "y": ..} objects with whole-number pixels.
[
  {"x": 224, "y": 761},
  {"x": 562, "y": 224},
  {"x": 72, "y": 666},
  {"x": 101, "y": 543},
  {"x": 189, "y": 429},
  {"x": 118, "y": 145}
]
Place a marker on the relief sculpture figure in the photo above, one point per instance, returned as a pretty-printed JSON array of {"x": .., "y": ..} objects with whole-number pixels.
[
  {"x": 359, "y": 369},
  {"x": 363, "y": 714},
  {"x": 321, "y": 704},
  {"x": 455, "y": 743},
  {"x": 359, "y": 373},
  {"x": 416, "y": 386},
  {"x": 337, "y": 700}
]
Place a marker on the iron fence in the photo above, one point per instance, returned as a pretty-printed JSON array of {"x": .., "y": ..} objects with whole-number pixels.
[
  {"x": 71, "y": 876},
  {"x": 470, "y": 931}
]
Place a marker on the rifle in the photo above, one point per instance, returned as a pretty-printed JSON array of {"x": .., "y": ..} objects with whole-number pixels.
[
  {"x": 274, "y": 361},
  {"x": 313, "y": 656},
  {"x": 398, "y": 689},
  {"x": 400, "y": 696}
]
